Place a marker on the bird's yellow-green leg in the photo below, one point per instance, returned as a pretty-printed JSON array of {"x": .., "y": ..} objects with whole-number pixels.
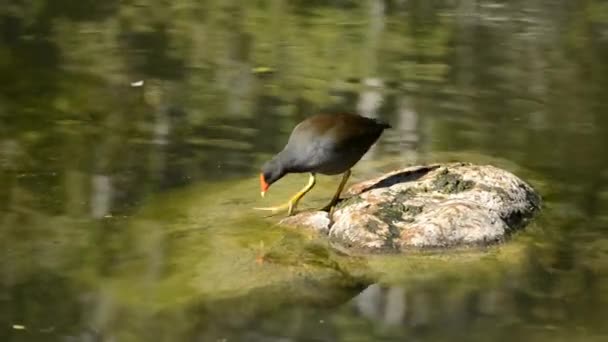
[
  {"x": 293, "y": 202},
  {"x": 336, "y": 197}
]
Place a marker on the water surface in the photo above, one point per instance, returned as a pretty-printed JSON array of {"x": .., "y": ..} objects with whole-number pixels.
[{"x": 125, "y": 209}]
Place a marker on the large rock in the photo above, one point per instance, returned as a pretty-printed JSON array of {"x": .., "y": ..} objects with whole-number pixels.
[{"x": 439, "y": 205}]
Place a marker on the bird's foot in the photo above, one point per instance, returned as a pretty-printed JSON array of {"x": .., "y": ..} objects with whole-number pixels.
[{"x": 289, "y": 207}]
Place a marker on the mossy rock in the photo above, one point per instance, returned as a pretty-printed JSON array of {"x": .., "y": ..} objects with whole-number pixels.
[{"x": 437, "y": 206}]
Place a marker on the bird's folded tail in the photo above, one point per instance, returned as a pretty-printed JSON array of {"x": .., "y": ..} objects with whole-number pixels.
[{"x": 382, "y": 124}]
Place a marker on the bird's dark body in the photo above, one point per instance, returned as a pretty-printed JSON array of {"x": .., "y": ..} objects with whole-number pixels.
[
  {"x": 324, "y": 143},
  {"x": 330, "y": 144}
]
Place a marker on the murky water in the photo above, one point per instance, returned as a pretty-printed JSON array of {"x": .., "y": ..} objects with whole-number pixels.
[{"x": 125, "y": 206}]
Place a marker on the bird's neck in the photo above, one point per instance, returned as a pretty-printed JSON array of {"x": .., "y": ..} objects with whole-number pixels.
[
  {"x": 285, "y": 161},
  {"x": 277, "y": 167}
]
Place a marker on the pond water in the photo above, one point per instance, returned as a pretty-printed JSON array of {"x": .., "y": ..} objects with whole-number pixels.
[{"x": 132, "y": 132}]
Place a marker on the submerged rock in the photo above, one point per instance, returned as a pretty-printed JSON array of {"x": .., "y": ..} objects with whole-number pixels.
[{"x": 440, "y": 205}]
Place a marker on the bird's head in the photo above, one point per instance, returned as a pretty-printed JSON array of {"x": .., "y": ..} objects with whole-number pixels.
[{"x": 271, "y": 172}]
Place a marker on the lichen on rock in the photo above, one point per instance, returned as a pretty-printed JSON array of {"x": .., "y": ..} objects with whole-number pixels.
[{"x": 440, "y": 205}]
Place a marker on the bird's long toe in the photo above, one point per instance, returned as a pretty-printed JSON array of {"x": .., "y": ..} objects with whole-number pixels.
[{"x": 289, "y": 207}]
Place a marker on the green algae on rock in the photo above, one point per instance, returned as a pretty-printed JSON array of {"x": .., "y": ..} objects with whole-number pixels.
[{"x": 440, "y": 205}]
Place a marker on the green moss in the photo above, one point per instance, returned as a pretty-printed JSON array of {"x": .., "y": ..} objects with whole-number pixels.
[
  {"x": 214, "y": 247},
  {"x": 451, "y": 183},
  {"x": 390, "y": 211},
  {"x": 412, "y": 210},
  {"x": 349, "y": 201},
  {"x": 373, "y": 227},
  {"x": 404, "y": 195}
]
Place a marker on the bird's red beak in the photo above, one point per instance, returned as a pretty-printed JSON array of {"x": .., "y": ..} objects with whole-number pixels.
[{"x": 263, "y": 185}]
